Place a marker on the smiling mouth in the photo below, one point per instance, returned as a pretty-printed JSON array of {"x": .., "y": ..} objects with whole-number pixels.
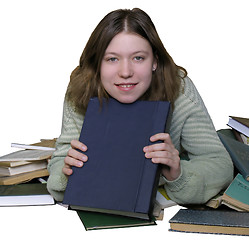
[{"x": 128, "y": 85}]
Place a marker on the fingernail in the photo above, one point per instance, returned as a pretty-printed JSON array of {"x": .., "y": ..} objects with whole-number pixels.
[
  {"x": 80, "y": 164},
  {"x": 84, "y": 158},
  {"x": 84, "y": 148}
]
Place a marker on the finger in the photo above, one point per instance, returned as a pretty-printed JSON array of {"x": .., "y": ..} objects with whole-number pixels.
[
  {"x": 158, "y": 154},
  {"x": 161, "y": 136},
  {"x": 78, "y": 145},
  {"x": 72, "y": 162},
  {"x": 164, "y": 161},
  {"x": 158, "y": 147},
  {"x": 77, "y": 155},
  {"x": 67, "y": 170}
]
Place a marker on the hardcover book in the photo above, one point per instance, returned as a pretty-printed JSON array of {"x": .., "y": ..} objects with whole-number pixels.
[
  {"x": 237, "y": 194},
  {"x": 31, "y": 166},
  {"x": 96, "y": 221},
  {"x": 239, "y": 153},
  {"x": 27, "y": 194},
  {"x": 117, "y": 178},
  {"x": 211, "y": 221},
  {"x": 23, "y": 177},
  {"x": 27, "y": 155}
]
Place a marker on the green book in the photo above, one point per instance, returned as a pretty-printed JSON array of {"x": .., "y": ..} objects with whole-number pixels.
[
  {"x": 27, "y": 194},
  {"x": 95, "y": 220},
  {"x": 237, "y": 194}
]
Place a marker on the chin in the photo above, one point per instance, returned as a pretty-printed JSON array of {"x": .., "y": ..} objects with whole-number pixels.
[{"x": 126, "y": 100}]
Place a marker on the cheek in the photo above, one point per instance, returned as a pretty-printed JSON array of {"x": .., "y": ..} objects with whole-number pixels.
[
  {"x": 108, "y": 69},
  {"x": 105, "y": 74},
  {"x": 145, "y": 74}
]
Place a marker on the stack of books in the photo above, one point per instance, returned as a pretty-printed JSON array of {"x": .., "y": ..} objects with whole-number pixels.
[
  {"x": 26, "y": 164},
  {"x": 228, "y": 212},
  {"x": 236, "y": 196}
]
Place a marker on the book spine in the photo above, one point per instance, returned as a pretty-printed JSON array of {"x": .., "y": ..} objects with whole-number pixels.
[{"x": 161, "y": 113}]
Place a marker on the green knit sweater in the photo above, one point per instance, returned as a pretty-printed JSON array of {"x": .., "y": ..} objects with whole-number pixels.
[{"x": 207, "y": 170}]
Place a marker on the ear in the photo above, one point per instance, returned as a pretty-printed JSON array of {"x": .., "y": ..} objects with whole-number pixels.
[{"x": 154, "y": 65}]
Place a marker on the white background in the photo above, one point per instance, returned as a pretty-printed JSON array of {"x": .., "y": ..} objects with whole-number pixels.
[{"x": 41, "y": 43}]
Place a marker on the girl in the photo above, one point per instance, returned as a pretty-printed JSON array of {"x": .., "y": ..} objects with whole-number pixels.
[{"x": 125, "y": 59}]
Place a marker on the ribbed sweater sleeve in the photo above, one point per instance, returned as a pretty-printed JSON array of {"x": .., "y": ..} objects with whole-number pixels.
[{"x": 209, "y": 168}]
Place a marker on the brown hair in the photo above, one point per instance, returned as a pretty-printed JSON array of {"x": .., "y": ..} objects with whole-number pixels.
[{"x": 85, "y": 79}]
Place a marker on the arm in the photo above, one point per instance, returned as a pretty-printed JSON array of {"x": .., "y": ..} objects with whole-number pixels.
[
  {"x": 71, "y": 127},
  {"x": 209, "y": 168}
]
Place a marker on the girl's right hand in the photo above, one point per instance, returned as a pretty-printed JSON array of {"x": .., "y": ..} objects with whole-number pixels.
[{"x": 74, "y": 157}]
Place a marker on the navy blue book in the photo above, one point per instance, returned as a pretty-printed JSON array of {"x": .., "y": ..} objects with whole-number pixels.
[{"x": 117, "y": 178}]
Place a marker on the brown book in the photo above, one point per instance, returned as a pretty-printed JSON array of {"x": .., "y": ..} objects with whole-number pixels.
[
  {"x": 13, "y": 164},
  {"x": 27, "y": 155},
  {"x": 32, "y": 166},
  {"x": 23, "y": 177}
]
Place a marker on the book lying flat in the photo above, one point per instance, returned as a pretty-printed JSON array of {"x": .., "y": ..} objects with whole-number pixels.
[
  {"x": 27, "y": 155},
  {"x": 239, "y": 153},
  {"x": 23, "y": 177},
  {"x": 44, "y": 144},
  {"x": 237, "y": 194},
  {"x": 13, "y": 164},
  {"x": 28, "y": 194},
  {"x": 96, "y": 220},
  {"x": 31, "y": 166},
  {"x": 117, "y": 178},
  {"x": 211, "y": 221}
]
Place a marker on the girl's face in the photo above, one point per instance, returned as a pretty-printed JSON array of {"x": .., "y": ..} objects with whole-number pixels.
[{"x": 127, "y": 66}]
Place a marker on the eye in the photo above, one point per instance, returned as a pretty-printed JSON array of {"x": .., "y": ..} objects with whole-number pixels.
[
  {"x": 112, "y": 59},
  {"x": 138, "y": 58}
]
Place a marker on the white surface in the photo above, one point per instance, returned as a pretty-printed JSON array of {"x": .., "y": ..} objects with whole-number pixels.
[
  {"x": 41, "y": 43},
  {"x": 56, "y": 222}
]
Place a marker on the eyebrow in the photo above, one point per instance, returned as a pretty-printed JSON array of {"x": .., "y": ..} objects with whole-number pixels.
[{"x": 134, "y": 53}]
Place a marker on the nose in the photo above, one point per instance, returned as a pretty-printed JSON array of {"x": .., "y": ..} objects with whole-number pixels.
[{"x": 125, "y": 69}]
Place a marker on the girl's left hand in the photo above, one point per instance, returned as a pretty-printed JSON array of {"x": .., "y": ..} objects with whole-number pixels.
[{"x": 166, "y": 154}]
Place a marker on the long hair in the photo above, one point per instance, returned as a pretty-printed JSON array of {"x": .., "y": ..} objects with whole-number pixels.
[{"x": 85, "y": 79}]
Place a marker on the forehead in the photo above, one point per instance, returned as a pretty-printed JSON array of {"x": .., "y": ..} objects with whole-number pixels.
[{"x": 128, "y": 42}]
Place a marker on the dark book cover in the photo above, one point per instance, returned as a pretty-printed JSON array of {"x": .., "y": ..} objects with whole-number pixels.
[
  {"x": 211, "y": 221},
  {"x": 117, "y": 178},
  {"x": 96, "y": 221},
  {"x": 239, "y": 153}
]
